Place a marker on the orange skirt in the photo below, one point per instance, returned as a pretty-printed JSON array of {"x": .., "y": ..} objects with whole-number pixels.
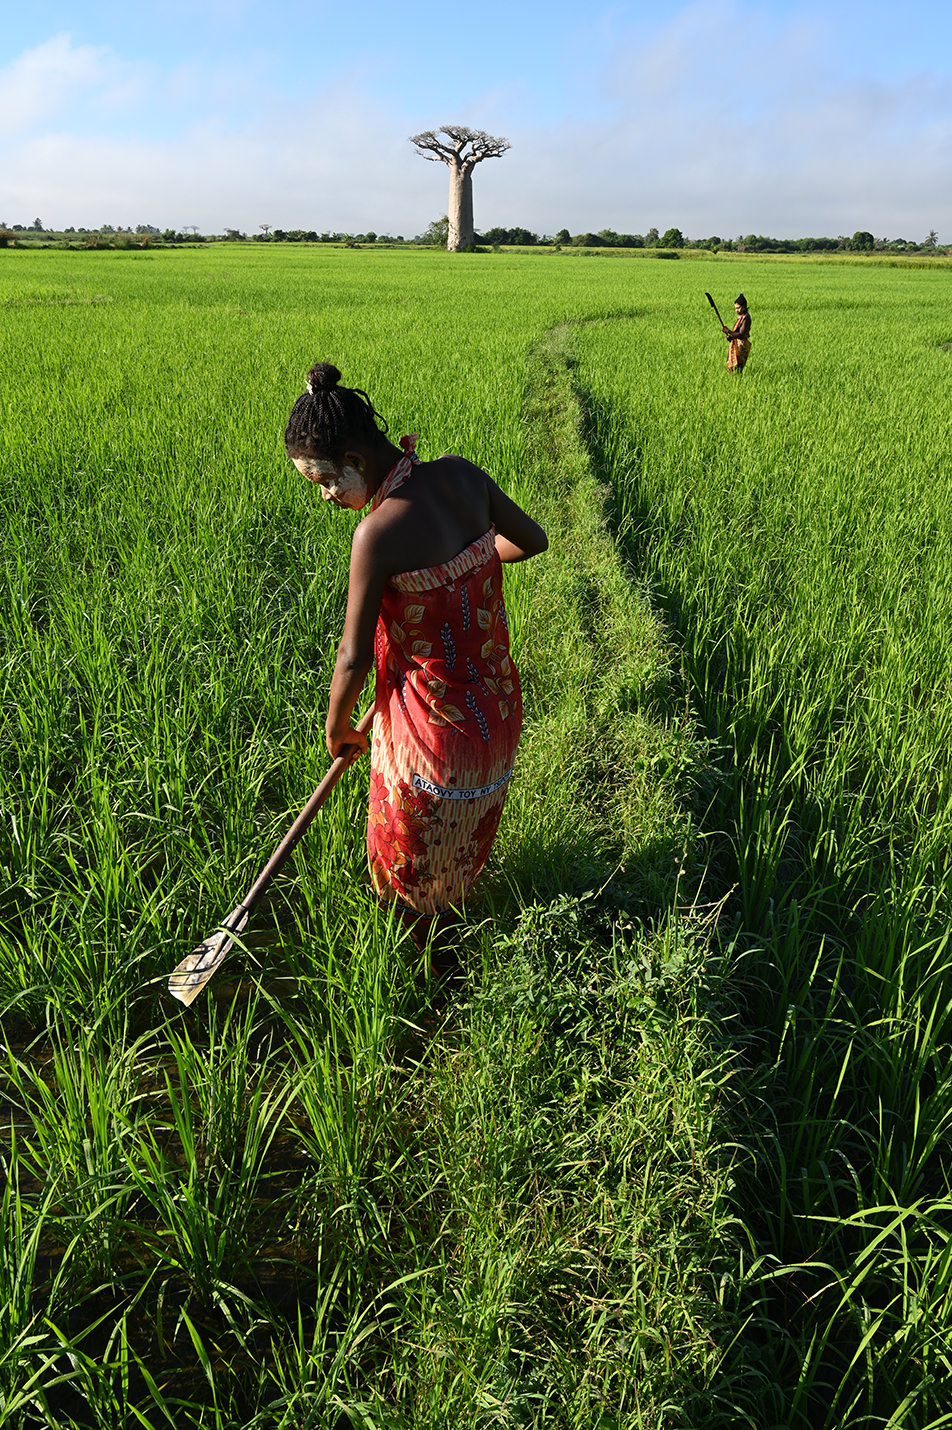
[{"x": 737, "y": 354}]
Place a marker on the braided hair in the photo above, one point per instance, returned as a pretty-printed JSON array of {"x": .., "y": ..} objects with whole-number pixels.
[{"x": 327, "y": 418}]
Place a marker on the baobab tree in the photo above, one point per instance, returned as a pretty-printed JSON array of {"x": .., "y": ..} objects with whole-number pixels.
[{"x": 461, "y": 150}]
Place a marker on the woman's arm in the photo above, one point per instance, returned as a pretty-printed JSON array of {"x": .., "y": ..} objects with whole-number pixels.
[
  {"x": 740, "y": 329},
  {"x": 517, "y": 536},
  {"x": 355, "y": 653}
]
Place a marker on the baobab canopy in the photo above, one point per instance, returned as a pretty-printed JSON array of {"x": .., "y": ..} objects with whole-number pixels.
[{"x": 461, "y": 149}]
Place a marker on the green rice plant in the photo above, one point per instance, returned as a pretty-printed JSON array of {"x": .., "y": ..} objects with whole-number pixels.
[
  {"x": 79, "y": 1109},
  {"x": 216, "y": 1084},
  {"x": 349, "y": 1089},
  {"x": 31, "y": 1365},
  {"x": 201, "y": 1171},
  {"x": 314, "y": 1370},
  {"x": 111, "y": 1386}
]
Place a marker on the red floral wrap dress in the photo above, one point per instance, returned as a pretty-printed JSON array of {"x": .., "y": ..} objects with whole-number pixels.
[{"x": 447, "y": 717}]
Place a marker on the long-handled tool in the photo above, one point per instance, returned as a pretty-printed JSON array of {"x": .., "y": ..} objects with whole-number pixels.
[
  {"x": 714, "y": 306},
  {"x": 189, "y": 977}
]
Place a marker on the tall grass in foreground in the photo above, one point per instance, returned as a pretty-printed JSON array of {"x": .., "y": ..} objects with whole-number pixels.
[
  {"x": 795, "y": 525},
  {"x": 331, "y": 1194}
]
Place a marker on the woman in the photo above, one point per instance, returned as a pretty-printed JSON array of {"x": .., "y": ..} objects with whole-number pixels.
[
  {"x": 738, "y": 336},
  {"x": 425, "y": 604}
]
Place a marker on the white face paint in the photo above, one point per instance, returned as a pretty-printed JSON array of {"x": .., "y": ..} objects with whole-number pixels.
[{"x": 345, "y": 486}]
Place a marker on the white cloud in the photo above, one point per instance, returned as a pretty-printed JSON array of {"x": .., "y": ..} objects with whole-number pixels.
[
  {"x": 320, "y": 166},
  {"x": 57, "y": 77}
]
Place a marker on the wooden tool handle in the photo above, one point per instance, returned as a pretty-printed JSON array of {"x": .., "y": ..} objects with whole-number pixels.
[{"x": 290, "y": 841}]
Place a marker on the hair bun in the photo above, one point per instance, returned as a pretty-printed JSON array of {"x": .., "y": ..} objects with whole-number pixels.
[{"x": 322, "y": 377}]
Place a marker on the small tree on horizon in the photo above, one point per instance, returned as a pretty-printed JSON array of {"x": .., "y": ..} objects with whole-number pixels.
[{"x": 436, "y": 233}]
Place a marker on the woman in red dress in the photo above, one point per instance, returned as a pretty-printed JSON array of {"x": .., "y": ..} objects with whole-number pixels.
[
  {"x": 424, "y": 605},
  {"x": 738, "y": 336}
]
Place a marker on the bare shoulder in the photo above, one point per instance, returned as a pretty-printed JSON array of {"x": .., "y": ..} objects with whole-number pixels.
[
  {"x": 379, "y": 540},
  {"x": 451, "y": 465},
  {"x": 372, "y": 529}
]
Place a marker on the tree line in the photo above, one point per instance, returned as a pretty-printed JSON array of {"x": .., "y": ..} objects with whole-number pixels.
[
  {"x": 435, "y": 235},
  {"x": 140, "y": 235},
  {"x": 860, "y": 242}
]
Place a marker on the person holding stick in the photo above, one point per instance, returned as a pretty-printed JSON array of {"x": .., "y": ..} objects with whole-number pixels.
[
  {"x": 738, "y": 336},
  {"x": 425, "y": 606}
]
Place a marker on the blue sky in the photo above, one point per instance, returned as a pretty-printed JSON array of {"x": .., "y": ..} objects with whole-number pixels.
[{"x": 716, "y": 116}]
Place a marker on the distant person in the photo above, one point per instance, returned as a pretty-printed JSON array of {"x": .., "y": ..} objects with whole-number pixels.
[
  {"x": 738, "y": 336},
  {"x": 425, "y": 606}
]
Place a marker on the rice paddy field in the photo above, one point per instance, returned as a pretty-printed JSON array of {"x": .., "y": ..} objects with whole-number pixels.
[{"x": 674, "y": 1148}]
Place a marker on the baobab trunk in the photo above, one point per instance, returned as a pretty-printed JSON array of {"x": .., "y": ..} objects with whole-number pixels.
[
  {"x": 462, "y": 230},
  {"x": 461, "y": 151}
]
